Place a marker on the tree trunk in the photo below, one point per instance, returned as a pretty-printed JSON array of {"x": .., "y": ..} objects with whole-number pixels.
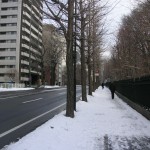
[
  {"x": 89, "y": 54},
  {"x": 69, "y": 62},
  {"x": 83, "y": 67},
  {"x": 53, "y": 74}
]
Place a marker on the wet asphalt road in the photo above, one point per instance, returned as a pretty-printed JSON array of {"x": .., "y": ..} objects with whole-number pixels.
[{"x": 23, "y": 111}]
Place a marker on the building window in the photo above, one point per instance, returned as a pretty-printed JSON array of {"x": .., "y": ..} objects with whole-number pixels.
[
  {"x": 7, "y": 66},
  {"x": 8, "y": 33},
  {"x": 7, "y": 49},
  {"x": 9, "y": 16},
  {"x": 2, "y": 66},
  {"x": 7, "y": 41},
  {"x": 6, "y": 1},
  {"x": 1, "y": 75},
  {"x": 8, "y": 24},
  {"x": 12, "y": 57},
  {"x": 8, "y": 58},
  {"x": 9, "y": 8},
  {"x": 2, "y": 58}
]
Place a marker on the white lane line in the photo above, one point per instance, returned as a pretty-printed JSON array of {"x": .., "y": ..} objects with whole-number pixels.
[
  {"x": 32, "y": 100},
  {"x": 31, "y": 120},
  {"x": 13, "y": 96}
]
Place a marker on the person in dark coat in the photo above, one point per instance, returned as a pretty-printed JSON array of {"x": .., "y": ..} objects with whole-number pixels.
[
  {"x": 112, "y": 89},
  {"x": 102, "y": 85}
]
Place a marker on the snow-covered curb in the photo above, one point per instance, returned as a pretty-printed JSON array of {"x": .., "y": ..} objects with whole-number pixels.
[{"x": 14, "y": 89}]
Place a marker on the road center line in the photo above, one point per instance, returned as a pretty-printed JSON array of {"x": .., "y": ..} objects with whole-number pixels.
[
  {"x": 31, "y": 120},
  {"x": 32, "y": 100}
]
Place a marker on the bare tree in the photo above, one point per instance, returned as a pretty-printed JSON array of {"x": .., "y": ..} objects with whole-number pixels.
[
  {"x": 62, "y": 13},
  {"x": 54, "y": 49},
  {"x": 131, "y": 54},
  {"x": 13, "y": 74}
]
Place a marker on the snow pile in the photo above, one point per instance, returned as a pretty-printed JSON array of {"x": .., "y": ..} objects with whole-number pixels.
[
  {"x": 95, "y": 123},
  {"x": 14, "y": 89},
  {"x": 21, "y": 89},
  {"x": 49, "y": 86}
]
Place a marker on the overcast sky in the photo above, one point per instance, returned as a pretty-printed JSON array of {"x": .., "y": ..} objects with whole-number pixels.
[{"x": 113, "y": 19}]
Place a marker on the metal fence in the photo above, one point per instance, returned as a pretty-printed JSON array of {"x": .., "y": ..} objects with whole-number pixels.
[
  {"x": 137, "y": 90},
  {"x": 12, "y": 85}
]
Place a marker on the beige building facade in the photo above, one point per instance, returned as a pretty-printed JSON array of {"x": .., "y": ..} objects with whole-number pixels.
[{"x": 20, "y": 41}]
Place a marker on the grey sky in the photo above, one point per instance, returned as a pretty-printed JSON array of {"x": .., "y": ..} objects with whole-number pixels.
[{"x": 113, "y": 19}]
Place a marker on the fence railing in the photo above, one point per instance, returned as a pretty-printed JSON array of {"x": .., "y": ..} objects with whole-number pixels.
[
  {"x": 12, "y": 85},
  {"x": 137, "y": 90}
]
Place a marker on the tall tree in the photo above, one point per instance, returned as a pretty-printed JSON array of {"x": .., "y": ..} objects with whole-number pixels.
[
  {"x": 131, "y": 54},
  {"x": 54, "y": 50},
  {"x": 62, "y": 13}
]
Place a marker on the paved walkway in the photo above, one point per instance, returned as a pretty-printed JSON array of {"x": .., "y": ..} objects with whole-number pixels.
[{"x": 128, "y": 126}]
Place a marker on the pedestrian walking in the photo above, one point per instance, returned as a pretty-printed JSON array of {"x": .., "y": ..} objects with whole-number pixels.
[
  {"x": 112, "y": 89},
  {"x": 102, "y": 85}
]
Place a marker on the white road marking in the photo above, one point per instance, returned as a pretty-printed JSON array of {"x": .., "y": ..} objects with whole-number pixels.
[
  {"x": 14, "y": 96},
  {"x": 27, "y": 122},
  {"x": 32, "y": 100}
]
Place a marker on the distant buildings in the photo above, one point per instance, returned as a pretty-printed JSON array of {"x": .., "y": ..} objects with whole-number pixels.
[
  {"x": 20, "y": 41},
  {"x": 55, "y": 55}
]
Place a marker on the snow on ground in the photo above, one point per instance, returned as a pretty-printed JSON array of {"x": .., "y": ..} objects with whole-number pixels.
[
  {"x": 102, "y": 123},
  {"x": 48, "y": 86},
  {"x": 14, "y": 89},
  {"x": 20, "y": 89}
]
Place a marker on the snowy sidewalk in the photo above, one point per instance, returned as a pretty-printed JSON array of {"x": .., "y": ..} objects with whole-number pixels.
[{"x": 100, "y": 124}]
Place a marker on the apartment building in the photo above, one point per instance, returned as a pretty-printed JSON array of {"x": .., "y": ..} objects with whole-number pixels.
[{"x": 20, "y": 41}]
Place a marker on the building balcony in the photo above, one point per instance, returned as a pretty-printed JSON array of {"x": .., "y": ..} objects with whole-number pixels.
[
  {"x": 34, "y": 29},
  {"x": 24, "y": 79},
  {"x": 25, "y": 38},
  {"x": 24, "y": 62},
  {"x": 37, "y": 11},
  {"x": 26, "y": 6},
  {"x": 26, "y": 30},
  {"x": 33, "y": 35},
  {"x": 25, "y": 46},
  {"x": 35, "y": 51},
  {"x": 24, "y": 54},
  {"x": 33, "y": 71},
  {"x": 26, "y": 22},
  {"x": 25, "y": 70},
  {"x": 26, "y": 14}
]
